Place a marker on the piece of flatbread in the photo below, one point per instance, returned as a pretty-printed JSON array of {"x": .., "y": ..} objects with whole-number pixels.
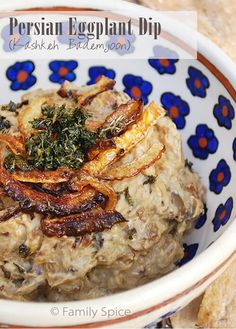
[
  {"x": 216, "y": 308},
  {"x": 186, "y": 318},
  {"x": 229, "y": 320},
  {"x": 219, "y": 300}
]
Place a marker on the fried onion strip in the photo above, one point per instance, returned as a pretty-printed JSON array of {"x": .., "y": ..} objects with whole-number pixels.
[
  {"x": 133, "y": 168},
  {"x": 14, "y": 143},
  {"x": 82, "y": 180},
  {"x": 30, "y": 112},
  {"x": 80, "y": 224},
  {"x": 119, "y": 120},
  {"x": 44, "y": 177},
  {"x": 99, "y": 147},
  {"x": 51, "y": 180},
  {"x": 9, "y": 213},
  {"x": 126, "y": 141},
  {"x": 87, "y": 93},
  {"x": 30, "y": 199},
  {"x": 2, "y": 192},
  {"x": 115, "y": 124}
]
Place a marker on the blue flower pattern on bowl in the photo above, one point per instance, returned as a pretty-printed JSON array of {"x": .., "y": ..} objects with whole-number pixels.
[
  {"x": 136, "y": 87},
  {"x": 96, "y": 71},
  {"x": 62, "y": 70},
  {"x": 189, "y": 253},
  {"x": 224, "y": 112},
  {"x": 204, "y": 142},
  {"x": 20, "y": 75},
  {"x": 164, "y": 60},
  {"x": 176, "y": 107},
  {"x": 168, "y": 314},
  {"x": 197, "y": 82},
  {"x": 222, "y": 215},
  {"x": 220, "y": 177},
  {"x": 158, "y": 323},
  {"x": 202, "y": 219},
  {"x": 234, "y": 149}
]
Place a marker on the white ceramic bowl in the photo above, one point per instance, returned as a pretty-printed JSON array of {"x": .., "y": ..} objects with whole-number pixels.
[{"x": 211, "y": 245}]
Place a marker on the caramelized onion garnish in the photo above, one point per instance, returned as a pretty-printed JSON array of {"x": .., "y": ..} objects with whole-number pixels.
[
  {"x": 14, "y": 142},
  {"x": 44, "y": 177},
  {"x": 80, "y": 224},
  {"x": 8, "y": 213},
  {"x": 78, "y": 202},
  {"x": 123, "y": 116},
  {"x": 115, "y": 124},
  {"x": 2, "y": 192},
  {"x": 102, "y": 145},
  {"x": 85, "y": 96},
  {"x": 135, "y": 167},
  {"x": 30, "y": 199},
  {"x": 125, "y": 142},
  {"x": 82, "y": 180}
]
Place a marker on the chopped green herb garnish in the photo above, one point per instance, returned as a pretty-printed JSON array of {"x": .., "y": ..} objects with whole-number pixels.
[
  {"x": 131, "y": 233},
  {"x": 150, "y": 180},
  {"x": 12, "y": 106},
  {"x": 23, "y": 250},
  {"x": 113, "y": 129},
  {"x": 13, "y": 162},
  {"x": 60, "y": 140},
  {"x": 71, "y": 95},
  {"x": 98, "y": 241},
  {"x": 189, "y": 165},
  {"x": 127, "y": 196},
  {"x": 4, "y": 123}
]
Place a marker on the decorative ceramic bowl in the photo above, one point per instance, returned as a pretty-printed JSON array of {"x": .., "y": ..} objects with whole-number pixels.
[{"x": 199, "y": 96}]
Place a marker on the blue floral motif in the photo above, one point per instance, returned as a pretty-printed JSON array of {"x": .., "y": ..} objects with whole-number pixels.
[
  {"x": 204, "y": 142},
  {"x": 202, "y": 219},
  {"x": 62, "y": 70},
  {"x": 189, "y": 253},
  {"x": 197, "y": 82},
  {"x": 168, "y": 314},
  {"x": 220, "y": 177},
  {"x": 13, "y": 42},
  {"x": 96, "y": 71},
  {"x": 136, "y": 87},
  {"x": 122, "y": 44},
  {"x": 164, "y": 60},
  {"x": 20, "y": 75},
  {"x": 223, "y": 213},
  {"x": 224, "y": 112},
  {"x": 177, "y": 108},
  {"x": 234, "y": 149}
]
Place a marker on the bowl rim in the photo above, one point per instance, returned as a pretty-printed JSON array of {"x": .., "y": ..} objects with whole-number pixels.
[{"x": 202, "y": 268}]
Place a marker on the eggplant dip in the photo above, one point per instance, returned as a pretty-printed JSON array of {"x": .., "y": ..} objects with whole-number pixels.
[{"x": 95, "y": 195}]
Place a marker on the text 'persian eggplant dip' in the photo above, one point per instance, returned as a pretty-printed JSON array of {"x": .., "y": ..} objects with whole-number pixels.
[{"x": 95, "y": 194}]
